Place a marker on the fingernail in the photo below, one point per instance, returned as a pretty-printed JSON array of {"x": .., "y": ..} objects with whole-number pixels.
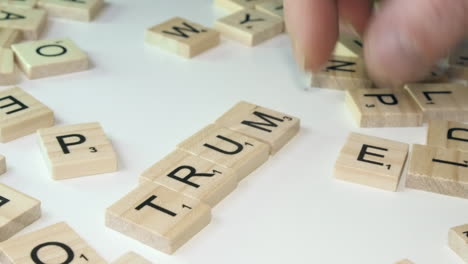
[{"x": 299, "y": 55}]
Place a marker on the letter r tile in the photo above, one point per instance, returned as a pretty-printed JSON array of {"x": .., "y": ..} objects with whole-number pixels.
[
  {"x": 371, "y": 161},
  {"x": 57, "y": 243},
  {"x": 77, "y": 150},
  {"x": 227, "y": 148},
  {"x": 192, "y": 176},
  {"x": 266, "y": 125},
  {"x": 158, "y": 217}
]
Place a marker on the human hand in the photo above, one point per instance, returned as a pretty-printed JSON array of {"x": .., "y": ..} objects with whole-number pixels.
[{"x": 402, "y": 41}]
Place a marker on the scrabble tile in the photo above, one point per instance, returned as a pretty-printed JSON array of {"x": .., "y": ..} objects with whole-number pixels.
[
  {"x": 31, "y": 22},
  {"x": 447, "y": 134},
  {"x": 263, "y": 124},
  {"x": 371, "y": 161},
  {"x": 250, "y": 27},
  {"x": 237, "y": 5},
  {"x": 438, "y": 170},
  {"x": 7, "y": 67},
  {"x": 273, "y": 8},
  {"x": 349, "y": 46},
  {"x": 182, "y": 37},
  {"x": 158, "y": 217},
  {"x": 21, "y": 114},
  {"x": 46, "y": 58},
  {"x": 342, "y": 73},
  {"x": 81, "y": 10},
  {"x": 458, "y": 64},
  {"x": 77, "y": 150},
  {"x": 405, "y": 261},
  {"x": 57, "y": 243},
  {"x": 383, "y": 108},
  {"x": 9, "y": 36},
  {"x": 227, "y": 148},
  {"x": 192, "y": 176},
  {"x": 441, "y": 101},
  {"x": 458, "y": 241},
  {"x": 17, "y": 210},
  {"x": 3, "y": 167},
  {"x": 19, "y": 3},
  {"x": 131, "y": 258}
]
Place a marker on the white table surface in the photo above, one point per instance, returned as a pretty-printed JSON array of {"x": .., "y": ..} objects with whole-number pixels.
[{"x": 291, "y": 210}]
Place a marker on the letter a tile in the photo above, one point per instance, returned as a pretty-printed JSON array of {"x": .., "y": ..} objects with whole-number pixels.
[
  {"x": 227, "y": 148},
  {"x": 383, "y": 108},
  {"x": 21, "y": 114},
  {"x": 192, "y": 176},
  {"x": 77, "y": 150},
  {"x": 17, "y": 210},
  {"x": 19, "y": 3},
  {"x": 158, "y": 217},
  {"x": 182, "y": 37},
  {"x": 371, "y": 161},
  {"x": 458, "y": 241},
  {"x": 250, "y": 27},
  {"x": 31, "y": 22},
  {"x": 54, "y": 244},
  {"x": 45, "y": 58},
  {"x": 342, "y": 73},
  {"x": 438, "y": 170},
  {"x": 269, "y": 126},
  {"x": 131, "y": 258},
  {"x": 441, "y": 101},
  {"x": 447, "y": 134},
  {"x": 81, "y": 10}
]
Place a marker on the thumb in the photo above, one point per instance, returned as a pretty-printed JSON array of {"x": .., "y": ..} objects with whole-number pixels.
[{"x": 406, "y": 38}]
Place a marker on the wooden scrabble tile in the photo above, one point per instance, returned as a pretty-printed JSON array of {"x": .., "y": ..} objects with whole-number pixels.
[
  {"x": 383, "y": 108},
  {"x": 237, "y": 5},
  {"x": 77, "y": 150},
  {"x": 349, "y": 46},
  {"x": 445, "y": 101},
  {"x": 227, "y": 148},
  {"x": 266, "y": 125},
  {"x": 182, "y": 37},
  {"x": 192, "y": 176},
  {"x": 405, "y": 261},
  {"x": 438, "y": 170},
  {"x": 131, "y": 258},
  {"x": 250, "y": 27},
  {"x": 17, "y": 210},
  {"x": 57, "y": 243},
  {"x": 9, "y": 36},
  {"x": 447, "y": 134},
  {"x": 31, "y": 22},
  {"x": 158, "y": 217},
  {"x": 458, "y": 241},
  {"x": 21, "y": 114},
  {"x": 7, "y": 67},
  {"x": 3, "y": 167},
  {"x": 81, "y": 10},
  {"x": 458, "y": 63},
  {"x": 19, "y": 3},
  {"x": 273, "y": 8},
  {"x": 371, "y": 161},
  {"x": 342, "y": 73},
  {"x": 46, "y": 58}
]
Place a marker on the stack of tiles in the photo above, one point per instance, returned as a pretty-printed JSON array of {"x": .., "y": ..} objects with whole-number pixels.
[{"x": 175, "y": 197}]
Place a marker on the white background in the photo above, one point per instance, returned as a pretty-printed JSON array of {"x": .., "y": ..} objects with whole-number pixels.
[{"x": 291, "y": 210}]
